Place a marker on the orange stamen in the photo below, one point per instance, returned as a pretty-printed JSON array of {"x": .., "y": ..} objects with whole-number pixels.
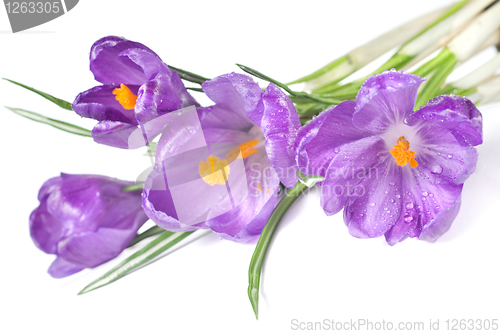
[
  {"x": 247, "y": 149},
  {"x": 214, "y": 170},
  {"x": 402, "y": 153},
  {"x": 126, "y": 98}
]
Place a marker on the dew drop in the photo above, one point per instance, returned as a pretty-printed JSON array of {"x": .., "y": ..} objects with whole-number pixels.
[
  {"x": 425, "y": 193},
  {"x": 409, "y": 206},
  {"x": 372, "y": 204},
  {"x": 408, "y": 219}
]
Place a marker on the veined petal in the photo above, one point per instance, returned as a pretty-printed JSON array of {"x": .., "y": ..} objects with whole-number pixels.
[
  {"x": 439, "y": 152},
  {"x": 114, "y": 134},
  {"x": 429, "y": 206},
  {"x": 235, "y": 96},
  {"x": 111, "y": 68},
  {"x": 455, "y": 113},
  {"x": 354, "y": 162},
  {"x": 385, "y": 99},
  {"x": 160, "y": 95},
  {"x": 45, "y": 229},
  {"x": 90, "y": 249},
  {"x": 375, "y": 205},
  {"x": 100, "y": 103},
  {"x": 246, "y": 220},
  {"x": 280, "y": 124},
  {"x": 320, "y": 140}
]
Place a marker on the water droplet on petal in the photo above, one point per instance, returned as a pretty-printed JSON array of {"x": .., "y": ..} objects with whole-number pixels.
[
  {"x": 408, "y": 219},
  {"x": 371, "y": 204},
  {"x": 425, "y": 193},
  {"x": 409, "y": 206}
]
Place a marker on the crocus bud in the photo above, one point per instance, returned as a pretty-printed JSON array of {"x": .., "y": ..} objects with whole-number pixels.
[{"x": 85, "y": 220}]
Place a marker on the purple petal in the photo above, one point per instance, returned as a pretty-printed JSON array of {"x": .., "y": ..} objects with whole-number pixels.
[
  {"x": 111, "y": 68},
  {"x": 245, "y": 221},
  {"x": 455, "y": 113},
  {"x": 94, "y": 248},
  {"x": 440, "y": 152},
  {"x": 160, "y": 95},
  {"x": 45, "y": 229},
  {"x": 375, "y": 204},
  {"x": 354, "y": 162},
  {"x": 429, "y": 205},
  {"x": 61, "y": 268},
  {"x": 116, "y": 134},
  {"x": 100, "y": 104},
  {"x": 280, "y": 124},
  {"x": 320, "y": 139},
  {"x": 235, "y": 96},
  {"x": 385, "y": 99}
]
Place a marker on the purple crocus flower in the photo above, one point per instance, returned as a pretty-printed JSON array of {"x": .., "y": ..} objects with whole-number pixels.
[
  {"x": 137, "y": 87},
  {"x": 85, "y": 220},
  {"x": 220, "y": 168},
  {"x": 395, "y": 172}
]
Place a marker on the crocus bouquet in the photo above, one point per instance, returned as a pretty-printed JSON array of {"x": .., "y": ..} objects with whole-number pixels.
[{"x": 392, "y": 149}]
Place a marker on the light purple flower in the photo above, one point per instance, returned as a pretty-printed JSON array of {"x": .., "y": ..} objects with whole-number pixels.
[
  {"x": 85, "y": 220},
  {"x": 137, "y": 88},
  {"x": 395, "y": 172},
  {"x": 261, "y": 126}
]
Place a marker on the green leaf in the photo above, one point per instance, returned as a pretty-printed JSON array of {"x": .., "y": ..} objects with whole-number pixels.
[
  {"x": 195, "y": 89},
  {"x": 146, "y": 234},
  {"x": 433, "y": 85},
  {"x": 151, "y": 251},
  {"x": 134, "y": 187},
  {"x": 311, "y": 97},
  {"x": 189, "y": 76},
  {"x": 265, "y": 238},
  {"x": 61, "y": 103},
  {"x": 52, "y": 122}
]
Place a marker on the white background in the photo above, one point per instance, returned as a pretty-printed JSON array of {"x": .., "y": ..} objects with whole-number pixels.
[{"x": 314, "y": 271}]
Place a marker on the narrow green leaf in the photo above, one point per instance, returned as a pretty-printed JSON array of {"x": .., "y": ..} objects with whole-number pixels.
[
  {"x": 322, "y": 70},
  {"x": 195, "y": 89},
  {"x": 265, "y": 238},
  {"x": 134, "y": 187},
  {"x": 311, "y": 97},
  {"x": 52, "y": 122},
  {"x": 151, "y": 251},
  {"x": 61, "y": 103},
  {"x": 189, "y": 76},
  {"x": 434, "y": 84},
  {"x": 146, "y": 234}
]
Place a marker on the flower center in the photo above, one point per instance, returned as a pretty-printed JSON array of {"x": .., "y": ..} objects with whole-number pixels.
[
  {"x": 247, "y": 149},
  {"x": 402, "y": 154},
  {"x": 126, "y": 98},
  {"x": 214, "y": 170}
]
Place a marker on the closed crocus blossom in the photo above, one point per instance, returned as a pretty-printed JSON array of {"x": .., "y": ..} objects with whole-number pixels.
[
  {"x": 85, "y": 220},
  {"x": 137, "y": 87},
  {"x": 229, "y": 180},
  {"x": 396, "y": 172}
]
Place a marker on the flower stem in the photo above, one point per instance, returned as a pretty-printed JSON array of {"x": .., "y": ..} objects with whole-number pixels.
[{"x": 264, "y": 240}]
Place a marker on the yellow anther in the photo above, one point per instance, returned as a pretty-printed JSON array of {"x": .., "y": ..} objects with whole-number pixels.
[
  {"x": 126, "y": 98},
  {"x": 402, "y": 154},
  {"x": 214, "y": 170},
  {"x": 247, "y": 149}
]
